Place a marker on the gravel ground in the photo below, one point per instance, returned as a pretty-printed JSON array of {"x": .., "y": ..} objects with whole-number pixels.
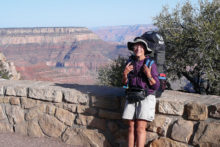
[{"x": 17, "y": 140}]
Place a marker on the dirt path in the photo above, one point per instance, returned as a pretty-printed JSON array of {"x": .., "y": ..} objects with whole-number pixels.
[{"x": 17, "y": 140}]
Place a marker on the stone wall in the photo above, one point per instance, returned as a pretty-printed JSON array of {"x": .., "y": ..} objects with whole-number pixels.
[{"x": 91, "y": 115}]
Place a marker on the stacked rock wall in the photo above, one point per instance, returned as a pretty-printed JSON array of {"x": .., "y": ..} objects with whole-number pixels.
[{"x": 91, "y": 115}]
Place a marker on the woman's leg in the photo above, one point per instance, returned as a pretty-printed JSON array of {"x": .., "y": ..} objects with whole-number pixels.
[
  {"x": 141, "y": 132},
  {"x": 131, "y": 131}
]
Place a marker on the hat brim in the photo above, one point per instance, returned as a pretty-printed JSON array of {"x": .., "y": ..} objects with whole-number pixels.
[{"x": 138, "y": 40}]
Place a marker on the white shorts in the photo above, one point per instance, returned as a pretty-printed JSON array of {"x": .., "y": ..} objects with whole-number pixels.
[{"x": 145, "y": 109}]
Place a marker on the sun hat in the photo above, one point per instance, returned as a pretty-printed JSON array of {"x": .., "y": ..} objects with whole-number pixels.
[{"x": 142, "y": 40}]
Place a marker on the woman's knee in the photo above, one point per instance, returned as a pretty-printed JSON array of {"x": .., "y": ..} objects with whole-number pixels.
[
  {"x": 141, "y": 127},
  {"x": 131, "y": 125}
]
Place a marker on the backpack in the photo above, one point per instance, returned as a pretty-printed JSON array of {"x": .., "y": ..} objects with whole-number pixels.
[{"x": 156, "y": 43}]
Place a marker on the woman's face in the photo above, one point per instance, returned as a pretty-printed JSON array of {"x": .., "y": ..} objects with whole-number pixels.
[{"x": 139, "y": 49}]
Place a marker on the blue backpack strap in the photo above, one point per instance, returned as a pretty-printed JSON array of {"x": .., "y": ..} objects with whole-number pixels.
[
  {"x": 149, "y": 62},
  {"x": 162, "y": 78},
  {"x": 125, "y": 86}
]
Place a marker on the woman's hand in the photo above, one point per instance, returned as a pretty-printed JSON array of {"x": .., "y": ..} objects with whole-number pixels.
[
  {"x": 147, "y": 72},
  {"x": 129, "y": 67}
]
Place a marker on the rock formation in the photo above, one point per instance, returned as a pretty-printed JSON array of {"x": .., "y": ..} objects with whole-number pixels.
[
  {"x": 8, "y": 69},
  {"x": 61, "y": 54}
]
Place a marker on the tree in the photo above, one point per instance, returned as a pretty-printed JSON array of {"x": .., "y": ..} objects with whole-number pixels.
[
  {"x": 192, "y": 38},
  {"x": 3, "y": 72},
  {"x": 112, "y": 74}
]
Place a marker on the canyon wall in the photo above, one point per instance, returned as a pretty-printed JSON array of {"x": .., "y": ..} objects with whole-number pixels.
[
  {"x": 91, "y": 115},
  {"x": 59, "y": 54},
  {"x": 15, "y": 36}
]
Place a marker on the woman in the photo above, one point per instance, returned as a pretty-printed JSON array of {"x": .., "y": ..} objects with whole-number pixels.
[{"x": 137, "y": 74}]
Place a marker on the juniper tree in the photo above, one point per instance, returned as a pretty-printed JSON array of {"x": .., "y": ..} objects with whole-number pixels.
[
  {"x": 111, "y": 75},
  {"x": 192, "y": 38}
]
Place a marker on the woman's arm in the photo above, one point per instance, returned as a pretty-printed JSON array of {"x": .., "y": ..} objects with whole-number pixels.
[
  {"x": 129, "y": 67},
  {"x": 154, "y": 74},
  {"x": 125, "y": 79},
  {"x": 147, "y": 72}
]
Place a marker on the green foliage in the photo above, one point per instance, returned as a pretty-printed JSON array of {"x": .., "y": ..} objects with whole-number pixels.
[
  {"x": 111, "y": 75},
  {"x": 192, "y": 38},
  {"x": 4, "y": 73}
]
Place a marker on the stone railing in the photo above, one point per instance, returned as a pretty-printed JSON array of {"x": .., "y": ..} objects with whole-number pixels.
[{"x": 91, "y": 115}]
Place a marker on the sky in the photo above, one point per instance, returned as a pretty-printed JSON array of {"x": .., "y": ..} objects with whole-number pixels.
[{"x": 80, "y": 13}]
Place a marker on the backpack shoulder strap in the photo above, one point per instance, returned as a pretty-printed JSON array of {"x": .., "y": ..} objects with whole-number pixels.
[
  {"x": 131, "y": 59},
  {"x": 149, "y": 62}
]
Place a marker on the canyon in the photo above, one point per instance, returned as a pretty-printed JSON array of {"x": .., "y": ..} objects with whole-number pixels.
[
  {"x": 73, "y": 109},
  {"x": 59, "y": 54}
]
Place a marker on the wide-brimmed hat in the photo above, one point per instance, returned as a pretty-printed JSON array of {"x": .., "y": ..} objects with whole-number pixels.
[{"x": 140, "y": 40}]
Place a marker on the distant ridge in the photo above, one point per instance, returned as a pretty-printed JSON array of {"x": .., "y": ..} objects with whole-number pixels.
[{"x": 122, "y": 34}]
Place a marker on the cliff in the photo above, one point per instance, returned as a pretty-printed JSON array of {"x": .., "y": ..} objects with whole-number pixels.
[
  {"x": 89, "y": 115},
  {"x": 61, "y": 54},
  {"x": 16, "y": 36}
]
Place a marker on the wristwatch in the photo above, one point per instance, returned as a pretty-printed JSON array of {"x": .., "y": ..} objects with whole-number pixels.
[{"x": 150, "y": 78}]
